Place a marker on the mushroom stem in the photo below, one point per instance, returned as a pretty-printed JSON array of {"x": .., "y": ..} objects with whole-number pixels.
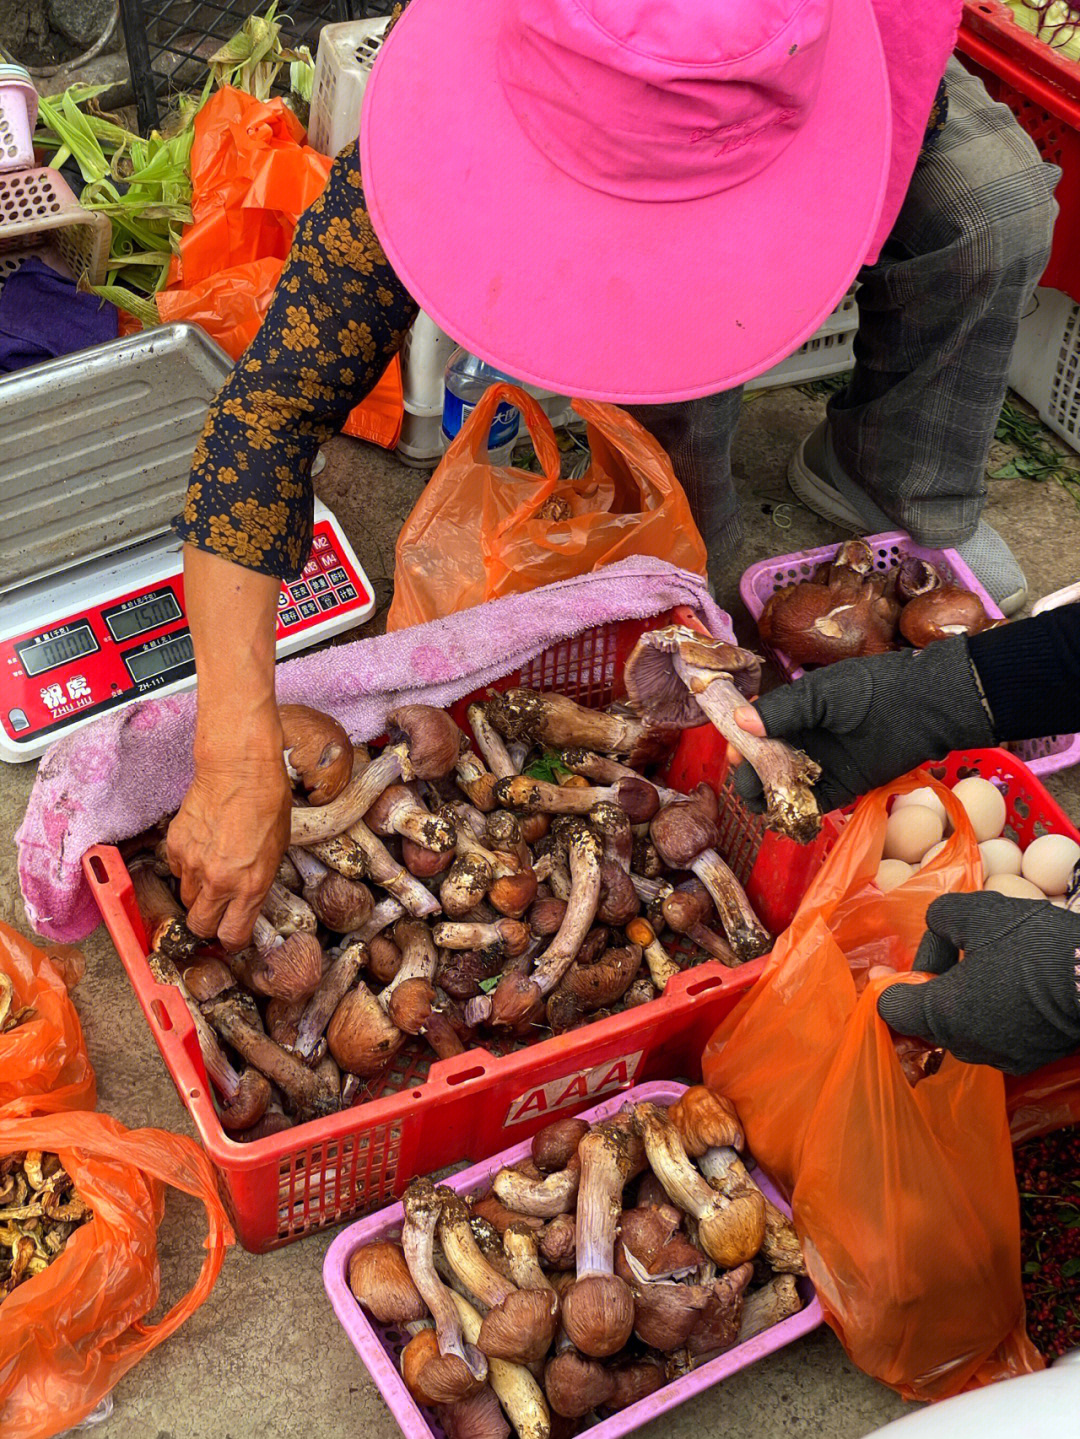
[
  {"x": 305, "y": 1091},
  {"x": 219, "y": 1071},
  {"x": 162, "y": 917},
  {"x": 518, "y": 1392},
  {"x": 475, "y": 780},
  {"x": 398, "y": 811},
  {"x": 418, "y": 957},
  {"x": 749, "y": 938},
  {"x": 602, "y": 769},
  {"x": 518, "y": 994},
  {"x": 636, "y": 797},
  {"x": 598, "y": 1308},
  {"x": 725, "y": 1171},
  {"x": 313, "y": 823},
  {"x": 540, "y": 1198},
  {"x": 787, "y": 775},
  {"x": 341, "y": 904},
  {"x": 523, "y": 1255},
  {"x": 461, "y": 1365},
  {"x": 287, "y": 912},
  {"x": 490, "y": 743},
  {"x": 334, "y": 985},
  {"x": 769, "y": 1305},
  {"x": 463, "y": 1254},
  {"x": 385, "y": 871},
  {"x": 685, "y": 910},
  {"x": 524, "y": 714},
  {"x": 662, "y": 966},
  {"x": 505, "y": 936},
  {"x": 385, "y": 913},
  {"x": 731, "y": 1231}
]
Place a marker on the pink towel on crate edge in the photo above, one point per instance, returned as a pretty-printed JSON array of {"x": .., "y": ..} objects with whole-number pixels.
[{"x": 129, "y": 769}]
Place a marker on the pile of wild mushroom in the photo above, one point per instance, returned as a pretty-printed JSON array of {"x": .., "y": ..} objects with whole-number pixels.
[
  {"x": 615, "y": 1259},
  {"x": 39, "y": 1211},
  {"x": 849, "y": 608},
  {"x": 444, "y": 895},
  {"x": 10, "y": 1016}
]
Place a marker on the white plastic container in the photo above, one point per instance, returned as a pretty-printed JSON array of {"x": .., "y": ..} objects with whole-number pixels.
[
  {"x": 424, "y": 357},
  {"x": 18, "y": 116},
  {"x": 828, "y": 352},
  {"x": 1045, "y": 368},
  {"x": 1037, "y": 1406},
  {"x": 343, "y": 63}
]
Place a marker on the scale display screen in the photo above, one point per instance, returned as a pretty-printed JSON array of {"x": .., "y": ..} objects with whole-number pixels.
[
  {"x": 147, "y": 664},
  {"x": 42, "y": 655},
  {"x": 148, "y": 613}
]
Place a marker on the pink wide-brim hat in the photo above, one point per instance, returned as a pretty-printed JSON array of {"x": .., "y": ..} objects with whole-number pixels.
[{"x": 629, "y": 200}]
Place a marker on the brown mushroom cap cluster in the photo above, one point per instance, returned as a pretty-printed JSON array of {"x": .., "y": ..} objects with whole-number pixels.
[
  {"x": 437, "y": 896},
  {"x": 640, "y": 1248},
  {"x": 848, "y": 608},
  {"x": 39, "y": 1211}
]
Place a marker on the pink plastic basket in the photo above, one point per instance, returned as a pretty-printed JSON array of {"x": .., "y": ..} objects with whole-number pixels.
[
  {"x": 1042, "y": 756},
  {"x": 380, "y": 1347},
  {"x": 18, "y": 115}
]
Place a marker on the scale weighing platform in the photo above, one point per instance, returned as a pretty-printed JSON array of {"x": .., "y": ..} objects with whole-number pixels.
[{"x": 91, "y": 581}]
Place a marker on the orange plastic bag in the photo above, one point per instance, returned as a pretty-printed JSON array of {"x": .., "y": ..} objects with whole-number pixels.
[
  {"x": 904, "y": 1197},
  {"x": 43, "y": 1062},
  {"x": 477, "y": 531},
  {"x": 252, "y": 177},
  {"x": 68, "y": 1334}
]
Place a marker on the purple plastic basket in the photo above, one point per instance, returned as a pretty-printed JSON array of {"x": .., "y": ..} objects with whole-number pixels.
[
  {"x": 380, "y": 1347},
  {"x": 1042, "y": 756}
]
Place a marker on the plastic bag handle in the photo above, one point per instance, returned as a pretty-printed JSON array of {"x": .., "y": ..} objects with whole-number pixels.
[{"x": 536, "y": 422}]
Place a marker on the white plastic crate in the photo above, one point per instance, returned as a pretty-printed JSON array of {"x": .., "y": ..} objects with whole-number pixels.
[
  {"x": 342, "y": 65},
  {"x": 40, "y": 216},
  {"x": 828, "y": 352},
  {"x": 1045, "y": 367}
]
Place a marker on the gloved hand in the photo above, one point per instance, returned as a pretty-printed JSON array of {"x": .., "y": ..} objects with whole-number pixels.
[
  {"x": 866, "y": 721},
  {"x": 1013, "y": 1001}
]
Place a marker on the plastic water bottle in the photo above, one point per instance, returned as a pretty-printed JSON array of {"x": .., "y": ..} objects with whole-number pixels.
[{"x": 466, "y": 380}]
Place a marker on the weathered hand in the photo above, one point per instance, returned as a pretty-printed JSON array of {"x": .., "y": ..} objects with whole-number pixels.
[{"x": 226, "y": 842}]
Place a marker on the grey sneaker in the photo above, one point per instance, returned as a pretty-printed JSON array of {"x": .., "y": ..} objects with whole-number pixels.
[{"x": 818, "y": 481}]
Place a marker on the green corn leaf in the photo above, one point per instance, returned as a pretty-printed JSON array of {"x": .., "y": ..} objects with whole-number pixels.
[{"x": 145, "y": 311}]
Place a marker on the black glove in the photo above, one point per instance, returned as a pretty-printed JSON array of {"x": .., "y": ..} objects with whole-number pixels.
[
  {"x": 866, "y": 721},
  {"x": 1013, "y": 1001}
]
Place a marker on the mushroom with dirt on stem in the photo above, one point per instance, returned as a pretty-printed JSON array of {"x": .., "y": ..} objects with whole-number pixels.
[
  {"x": 678, "y": 676},
  {"x": 586, "y": 988},
  {"x": 423, "y": 743},
  {"x": 459, "y": 1368},
  {"x": 598, "y": 1308},
  {"x": 341, "y": 904},
  {"x": 163, "y": 919},
  {"x": 475, "y": 779},
  {"x": 278, "y": 967},
  {"x": 541, "y": 1198},
  {"x": 522, "y": 1250},
  {"x": 685, "y": 836},
  {"x": 490, "y": 743},
  {"x": 662, "y": 966},
  {"x": 379, "y": 865},
  {"x": 306, "y": 1092},
  {"x": 553, "y": 719},
  {"x": 774, "y": 1302},
  {"x": 507, "y": 937},
  {"x": 317, "y": 752},
  {"x": 636, "y": 797},
  {"x": 287, "y": 912},
  {"x": 730, "y": 1231},
  {"x": 518, "y": 995},
  {"x": 686, "y": 909},
  {"x": 397, "y": 811},
  {"x": 780, "y": 1248},
  {"x": 519, "y": 1324},
  {"x": 321, "y": 1007}
]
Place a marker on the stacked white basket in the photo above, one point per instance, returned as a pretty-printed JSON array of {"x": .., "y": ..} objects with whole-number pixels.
[{"x": 1045, "y": 366}]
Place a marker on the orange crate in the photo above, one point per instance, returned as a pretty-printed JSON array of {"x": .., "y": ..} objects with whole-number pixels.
[{"x": 422, "y": 1115}]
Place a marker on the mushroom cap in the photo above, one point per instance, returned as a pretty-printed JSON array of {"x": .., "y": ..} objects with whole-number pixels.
[{"x": 655, "y": 688}]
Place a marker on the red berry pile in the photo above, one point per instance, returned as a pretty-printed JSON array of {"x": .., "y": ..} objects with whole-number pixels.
[{"x": 1048, "y": 1177}]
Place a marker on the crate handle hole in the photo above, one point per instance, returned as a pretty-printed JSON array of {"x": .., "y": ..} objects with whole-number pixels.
[
  {"x": 704, "y": 986},
  {"x": 161, "y": 1014},
  {"x": 98, "y": 870},
  {"x": 462, "y": 1075}
]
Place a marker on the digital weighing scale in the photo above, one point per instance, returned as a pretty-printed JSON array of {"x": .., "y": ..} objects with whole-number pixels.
[{"x": 96, "y": 451}]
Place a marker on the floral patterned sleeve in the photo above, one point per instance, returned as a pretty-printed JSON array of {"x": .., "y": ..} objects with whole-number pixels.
[{"x": 338, "y": 316}]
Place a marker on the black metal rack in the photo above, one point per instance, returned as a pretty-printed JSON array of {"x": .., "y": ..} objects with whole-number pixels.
[{"x": 170, "y": 41}]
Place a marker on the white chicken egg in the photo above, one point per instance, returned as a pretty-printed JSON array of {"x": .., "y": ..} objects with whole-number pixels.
[
  {"x": 1000, "y": 856},
  {"x": 892, "y": 872},
  {"x": 985, "y": 806},
  {"x": 910, "y": 832},
  {"x": 1049, "y": 862},
  {"x": 1014, "y": 885},
  {"x": 926, "y": 797},
  {"x": 932, "y": 853}
]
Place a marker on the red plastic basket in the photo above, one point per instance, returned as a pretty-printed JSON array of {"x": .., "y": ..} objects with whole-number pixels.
[
  {"x": 1042, "y": 89},
  {"x": 422, "y": 1115}
]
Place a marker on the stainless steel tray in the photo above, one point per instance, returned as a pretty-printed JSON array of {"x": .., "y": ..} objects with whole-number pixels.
[{"x": 95, "y": 448}]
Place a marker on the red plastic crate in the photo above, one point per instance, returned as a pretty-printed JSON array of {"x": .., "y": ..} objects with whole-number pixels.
[
  {"x": 1042, "y": 89},
  {"x": 422, "y": 1115}
]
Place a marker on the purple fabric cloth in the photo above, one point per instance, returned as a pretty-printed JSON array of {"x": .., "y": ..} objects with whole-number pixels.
[
  {"x": 43, "y": 316},
  {"x": 132, "y": 767}
]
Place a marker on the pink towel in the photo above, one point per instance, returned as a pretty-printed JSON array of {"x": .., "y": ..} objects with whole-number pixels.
[{"x": 131, "y": 768}]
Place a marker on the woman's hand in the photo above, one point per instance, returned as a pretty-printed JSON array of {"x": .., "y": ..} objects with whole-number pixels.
[
  {"x": 227, "y": 840},
  {"x": 866, "y": 721},
  {"x": 228, "y": 837}
]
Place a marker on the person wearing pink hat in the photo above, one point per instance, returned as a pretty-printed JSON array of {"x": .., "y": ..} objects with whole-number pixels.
[{"x": 642, "y": 201}]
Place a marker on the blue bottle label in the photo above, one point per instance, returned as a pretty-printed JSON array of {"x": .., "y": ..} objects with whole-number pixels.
[{"x": 456, "y": 411}]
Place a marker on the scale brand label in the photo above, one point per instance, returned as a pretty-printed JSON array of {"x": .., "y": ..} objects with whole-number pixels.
[{"x": 572, "y": 1090}]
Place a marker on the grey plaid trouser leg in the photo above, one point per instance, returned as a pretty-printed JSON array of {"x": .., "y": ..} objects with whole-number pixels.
[{"x": 938, "y": 318}]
